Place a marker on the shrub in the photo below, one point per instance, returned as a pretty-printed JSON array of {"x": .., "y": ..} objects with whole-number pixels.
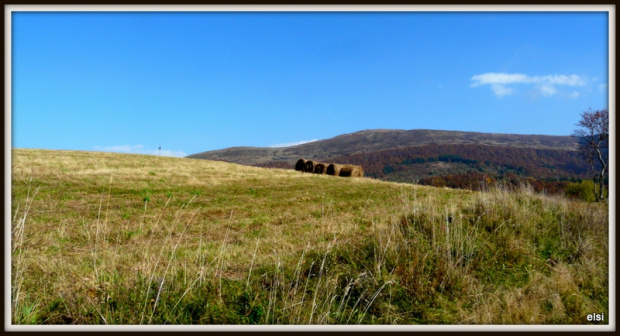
[{"x": 583, "y": 190}]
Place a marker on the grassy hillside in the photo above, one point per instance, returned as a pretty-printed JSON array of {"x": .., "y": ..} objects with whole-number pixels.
[{"x": 101, "y": 238}]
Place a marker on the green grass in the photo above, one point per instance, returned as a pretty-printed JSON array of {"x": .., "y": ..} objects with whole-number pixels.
[{"x": 100, "y": 238}]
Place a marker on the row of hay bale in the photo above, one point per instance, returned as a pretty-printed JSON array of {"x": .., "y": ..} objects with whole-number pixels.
[{"x": 334, "y": 169}]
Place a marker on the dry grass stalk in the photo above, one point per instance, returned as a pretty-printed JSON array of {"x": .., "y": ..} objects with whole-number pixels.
[{"x": 18, "y": 245}]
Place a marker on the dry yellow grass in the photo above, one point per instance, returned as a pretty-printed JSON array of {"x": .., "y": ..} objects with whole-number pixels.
[{"x": 95, "y": 232}]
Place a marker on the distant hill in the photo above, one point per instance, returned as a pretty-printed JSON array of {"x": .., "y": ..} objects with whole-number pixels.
[
  {"x": 381, "y": 139},
  {"x": 439, "y": 158}
]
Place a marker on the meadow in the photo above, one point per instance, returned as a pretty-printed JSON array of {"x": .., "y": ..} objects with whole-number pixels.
[{"x": 104, "y": 238}]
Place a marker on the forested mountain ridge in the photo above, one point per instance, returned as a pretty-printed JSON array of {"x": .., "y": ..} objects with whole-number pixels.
[
  {"x": 542, "y": 163},
  {"x": 381, "y": 139},
  {"x": 439, "y": 158}
]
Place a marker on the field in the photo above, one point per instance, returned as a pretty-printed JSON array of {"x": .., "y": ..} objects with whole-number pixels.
[{"x": 102, "y": 238}]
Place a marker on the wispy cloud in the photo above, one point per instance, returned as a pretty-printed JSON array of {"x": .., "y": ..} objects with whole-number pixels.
[
  {"x": 166, "y": 152},
  {"x": 292, "y": 143},
  {"x": 120, "y": 149},
  {"x": 501, "y": 90},
  {"x": 139, "y": 149},
  {"x": 544, "y": 85}
]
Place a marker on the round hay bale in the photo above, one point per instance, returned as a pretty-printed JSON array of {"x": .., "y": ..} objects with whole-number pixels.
[
  {"x": 333, "y": 169},
  {"x": 309, "y": 166},
  {"x": 320, "y": 168},
  {"x": 301, "y": 165},
  {"x": 351, "y": 171}
]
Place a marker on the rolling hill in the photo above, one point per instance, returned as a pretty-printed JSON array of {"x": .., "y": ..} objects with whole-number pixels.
[
  {"x": 381, "y": 139},
  {"x": 121, "y": 239},
  {"x": 422, "y": 156}
]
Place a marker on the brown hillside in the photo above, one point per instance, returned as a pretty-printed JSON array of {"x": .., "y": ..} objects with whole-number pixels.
[{"x": 377, "y": 140}]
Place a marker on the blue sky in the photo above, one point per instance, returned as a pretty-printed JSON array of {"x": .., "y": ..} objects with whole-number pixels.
[{"x": 197, "y": 81}]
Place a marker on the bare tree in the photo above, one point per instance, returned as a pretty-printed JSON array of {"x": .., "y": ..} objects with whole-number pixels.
[{"x": 593, "y": 133}]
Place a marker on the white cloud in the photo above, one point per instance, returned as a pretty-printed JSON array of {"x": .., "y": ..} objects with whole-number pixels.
[
  {"x": 572, "y": 80},
  {"x": 165, "y": 152},
  {"x": 292, "y": 143},
  {"x": 544, "y": 85},
  {"x": 498, "y": 78},
  {"x": 139, "y": 149},
  {"x": 547, "y": 89},
  {"x": 501, "y": 90},
  {"x": 120, "y": 149}
]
